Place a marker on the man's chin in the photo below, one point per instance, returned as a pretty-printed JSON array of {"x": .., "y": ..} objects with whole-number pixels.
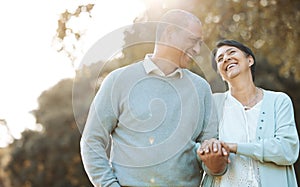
[
  {"x": 186, "y": 61},
  {"x": 184, "y": 65}
]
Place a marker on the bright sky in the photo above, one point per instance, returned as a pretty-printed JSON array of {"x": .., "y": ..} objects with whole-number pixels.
[{"x": 29, "y": 63}]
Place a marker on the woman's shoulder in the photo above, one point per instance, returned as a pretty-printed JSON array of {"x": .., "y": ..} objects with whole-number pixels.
[
  {"x": 200, "y": 82},
  {"x": 276, "y": 94}
]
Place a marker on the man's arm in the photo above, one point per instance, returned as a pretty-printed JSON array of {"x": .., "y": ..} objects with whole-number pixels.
[
  {"x": 95, "y": 140},
  {"x": 213, "y": 153}
]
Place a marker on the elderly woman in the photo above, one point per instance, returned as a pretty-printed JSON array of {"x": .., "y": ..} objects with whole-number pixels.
[{"x": 257, "y": 125}]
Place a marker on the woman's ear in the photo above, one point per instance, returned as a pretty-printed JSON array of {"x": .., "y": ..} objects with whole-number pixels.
[{"x": 250, "y": 60}]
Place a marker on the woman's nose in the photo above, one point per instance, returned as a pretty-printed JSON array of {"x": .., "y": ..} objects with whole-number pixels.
[{"x": 227, "y": 58}]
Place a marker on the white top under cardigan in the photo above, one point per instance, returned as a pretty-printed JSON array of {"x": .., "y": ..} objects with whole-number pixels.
[{"x": 239, "y": 125}]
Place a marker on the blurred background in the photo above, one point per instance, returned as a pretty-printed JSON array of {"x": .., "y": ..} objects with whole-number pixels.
[{"x": 42, "y": 44}]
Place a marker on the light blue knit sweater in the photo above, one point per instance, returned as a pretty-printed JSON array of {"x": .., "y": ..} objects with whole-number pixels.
[{"x": 154, "y": 123}]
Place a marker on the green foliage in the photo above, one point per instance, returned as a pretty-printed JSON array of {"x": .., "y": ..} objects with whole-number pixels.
[
  {"x": 269, "y": 27},
  {"x": 51, "y": 157},
  {"x": 65, "y": 32}
]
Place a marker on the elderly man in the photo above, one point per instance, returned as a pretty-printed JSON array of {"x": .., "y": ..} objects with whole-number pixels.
[{"x": 156, "y": 112}]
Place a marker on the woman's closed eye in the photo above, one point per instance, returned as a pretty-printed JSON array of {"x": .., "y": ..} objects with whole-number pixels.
[
  {"x": 220, "y": 59},
  {"x": 231, "y": 52}
]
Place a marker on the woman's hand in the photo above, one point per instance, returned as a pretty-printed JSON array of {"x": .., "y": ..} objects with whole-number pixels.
[
  {"x": 232, "y": 147},
  {"x": 215, "y": 155}
]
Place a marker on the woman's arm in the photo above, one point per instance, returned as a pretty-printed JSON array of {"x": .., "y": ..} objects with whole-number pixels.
[{"x": 283, "y": 147}]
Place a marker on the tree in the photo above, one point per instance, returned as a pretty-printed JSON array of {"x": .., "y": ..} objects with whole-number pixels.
[{"x": 51, "y": 157}]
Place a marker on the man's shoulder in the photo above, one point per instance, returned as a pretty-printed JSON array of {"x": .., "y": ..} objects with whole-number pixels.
[
  {"x": 196, "y": 79},
  {"x": 219, "y": 97},
  {"x": 132, "y": 67},
  {"x": 193, "y": 75}
]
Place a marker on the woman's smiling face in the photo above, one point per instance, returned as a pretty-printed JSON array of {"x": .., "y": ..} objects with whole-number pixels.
[{"x": 231, "y": 62}]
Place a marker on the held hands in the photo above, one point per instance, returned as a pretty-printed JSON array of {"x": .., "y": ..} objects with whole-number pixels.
[{"x": 215, "y": 155}]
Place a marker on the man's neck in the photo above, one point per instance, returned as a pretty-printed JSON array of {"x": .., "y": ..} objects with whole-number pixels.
[
  {"x": 165, "y": 65},
  {"x": 166, "y": 59}
]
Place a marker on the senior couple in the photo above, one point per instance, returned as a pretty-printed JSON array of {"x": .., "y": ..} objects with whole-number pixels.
[{"x": 164, "y": 127}]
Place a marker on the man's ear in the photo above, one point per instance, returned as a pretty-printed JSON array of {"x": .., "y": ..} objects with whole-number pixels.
[
  {"x": 168, "y": 32},
  {"x": 164, "y": 34}
]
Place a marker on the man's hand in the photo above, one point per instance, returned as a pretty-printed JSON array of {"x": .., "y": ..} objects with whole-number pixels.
[{"x": 215, "y": 155}]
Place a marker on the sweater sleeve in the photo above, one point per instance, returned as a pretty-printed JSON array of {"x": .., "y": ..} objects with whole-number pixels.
[
  {"x": 210, "y": 117},
  {"x": 210, "y": 125},
  {"x": 282, "y": 146},
  {"x": 95, "y": 140}
]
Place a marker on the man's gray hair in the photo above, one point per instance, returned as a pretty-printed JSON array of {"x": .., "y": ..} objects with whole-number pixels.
[{"x": 177, "y": 17}]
